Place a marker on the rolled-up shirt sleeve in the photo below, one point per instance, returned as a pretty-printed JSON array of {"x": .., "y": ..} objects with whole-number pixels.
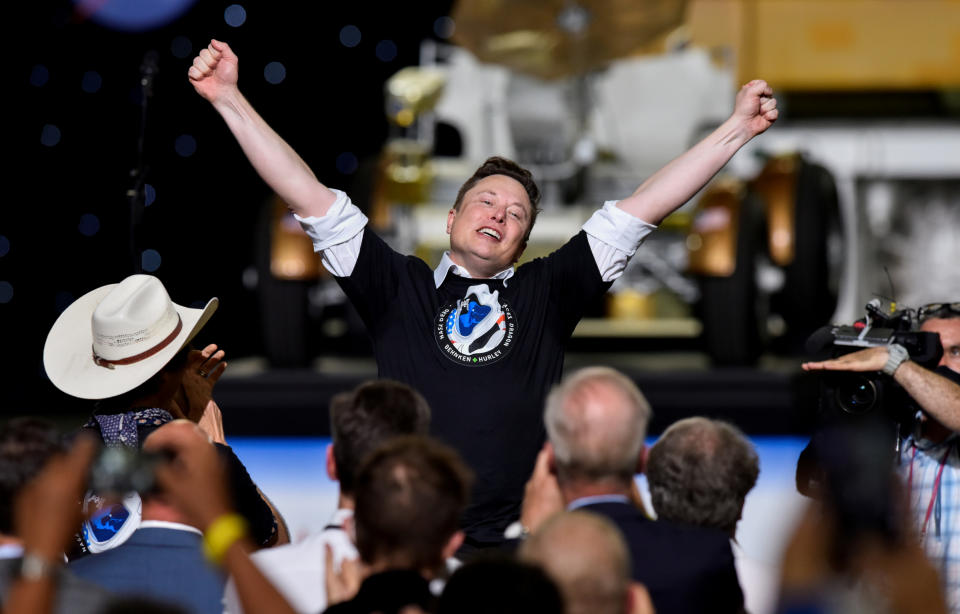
[
  {"x": 614, "y": 236},
  {"x": 337, "y": 235}
]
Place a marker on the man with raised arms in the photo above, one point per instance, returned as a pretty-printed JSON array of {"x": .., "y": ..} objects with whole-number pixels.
[{"x": 482, "y": 341}]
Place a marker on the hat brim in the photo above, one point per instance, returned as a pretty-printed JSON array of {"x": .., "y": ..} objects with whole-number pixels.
[{"x": 68, "y": 351}]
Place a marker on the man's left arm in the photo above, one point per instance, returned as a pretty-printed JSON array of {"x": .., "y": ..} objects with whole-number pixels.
[
  {"x": 617, "y": 230},
  {"x": 755, "y": 110}
]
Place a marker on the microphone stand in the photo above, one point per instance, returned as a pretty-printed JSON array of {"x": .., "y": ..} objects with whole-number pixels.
[{"x": 135, "y": 195}]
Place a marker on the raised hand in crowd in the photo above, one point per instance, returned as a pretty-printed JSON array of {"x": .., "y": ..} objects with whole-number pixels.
[
  {"x": 542, "y": 497},
  {"x": 194, "y": 399},
  {"x": 46, "y": 514}
]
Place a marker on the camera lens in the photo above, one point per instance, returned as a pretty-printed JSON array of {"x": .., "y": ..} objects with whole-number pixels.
[{"x": 858, "y": 395}]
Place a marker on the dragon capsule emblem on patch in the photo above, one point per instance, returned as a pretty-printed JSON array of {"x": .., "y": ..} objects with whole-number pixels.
[{"x": 476, "y": 330}]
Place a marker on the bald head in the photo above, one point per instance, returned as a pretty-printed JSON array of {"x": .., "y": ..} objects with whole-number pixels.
[
  {"x": 596, "y": 420},
  {"x": 587, "y": 557},
  {"x": 700, "y": 472}
]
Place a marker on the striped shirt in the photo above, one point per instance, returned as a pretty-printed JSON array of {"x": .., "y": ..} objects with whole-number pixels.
[{"x": 936, "y": 507}]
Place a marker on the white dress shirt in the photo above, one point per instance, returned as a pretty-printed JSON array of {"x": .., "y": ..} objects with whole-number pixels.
[
  {"x": 298, "y": 570},
  {"x": 613, "y": 234}
]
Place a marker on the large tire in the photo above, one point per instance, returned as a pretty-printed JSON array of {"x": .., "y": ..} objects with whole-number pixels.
[
  {"x": 283, "y": 305},
  {"x": 809, "y": 295},
  {"x": 731, "y": 308}
]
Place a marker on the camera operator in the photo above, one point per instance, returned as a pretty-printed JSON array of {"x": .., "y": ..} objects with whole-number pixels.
[{"x": 930, "y": 459}]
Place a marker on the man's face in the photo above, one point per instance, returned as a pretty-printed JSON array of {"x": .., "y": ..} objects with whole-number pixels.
[
  {"x": 949, "y": 331},
  {"x": 487, "y": 233}
]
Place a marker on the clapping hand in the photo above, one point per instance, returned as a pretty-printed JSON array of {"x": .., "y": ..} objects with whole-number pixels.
[{"x": 195, "y": 397}]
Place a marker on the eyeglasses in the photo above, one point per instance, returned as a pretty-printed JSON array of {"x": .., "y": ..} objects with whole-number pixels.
[{"x": 935, "y": 310}]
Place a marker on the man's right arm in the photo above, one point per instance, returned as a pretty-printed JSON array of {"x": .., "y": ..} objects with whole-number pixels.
[
  {"x": 937, "y": 395},
  {"x": 214, "y": 75}
]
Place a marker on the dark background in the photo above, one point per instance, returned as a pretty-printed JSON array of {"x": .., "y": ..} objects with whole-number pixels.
[{"x": 203, "y": 220}]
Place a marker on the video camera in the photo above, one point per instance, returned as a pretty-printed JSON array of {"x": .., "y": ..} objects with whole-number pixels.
[
  {"x": 848, "y": 394},
  {"x": 862, "y": 415}
]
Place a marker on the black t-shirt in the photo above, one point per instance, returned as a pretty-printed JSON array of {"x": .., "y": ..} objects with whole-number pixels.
[{"x": 483, "y": 352}]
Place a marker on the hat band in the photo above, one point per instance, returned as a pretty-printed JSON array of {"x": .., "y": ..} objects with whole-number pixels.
[{"x": 109, "y": 364}]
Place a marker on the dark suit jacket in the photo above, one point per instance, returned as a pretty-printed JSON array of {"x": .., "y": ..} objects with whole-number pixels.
[
  {"x": 74, "y": 596},
  {"x": 160, "y": 563},
  {"x": 687, "y": 569}
]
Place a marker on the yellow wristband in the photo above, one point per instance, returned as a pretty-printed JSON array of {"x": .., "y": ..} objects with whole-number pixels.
[{"x": 221, "y": 534}]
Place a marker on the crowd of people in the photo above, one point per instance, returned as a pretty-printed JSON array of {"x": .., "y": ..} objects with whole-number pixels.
[
  {"x": 474, "y": 476},
  {"x": 583, "y": 542}
]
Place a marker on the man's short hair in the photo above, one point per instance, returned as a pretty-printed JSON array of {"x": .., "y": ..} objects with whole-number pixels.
[
  {"x": 592, "y": 446},
  {"x": 26, "y": 444},
  {"x": 587, "y": 557},
  {"x": 502, "y": 166},
  {"x": 410, "y": 493},
  {"x": 700, "y": 472},
  {"x": 365, "y": 417}
]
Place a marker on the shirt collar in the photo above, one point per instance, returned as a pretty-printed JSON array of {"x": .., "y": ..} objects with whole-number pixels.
[
  {"x": 584, "y": 501},
  {"x": 340, "y": 516},
  {"x": 446, "y": 264},
  {"x": 165, "y": 524},
  {"x": 927, "y": 446}
]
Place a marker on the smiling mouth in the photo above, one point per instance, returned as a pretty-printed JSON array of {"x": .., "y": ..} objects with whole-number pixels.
[{"x": 490, "y": 232}]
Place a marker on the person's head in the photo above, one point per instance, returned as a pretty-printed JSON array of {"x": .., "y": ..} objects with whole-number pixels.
[
  {"x": 158, "y": 391},
  {"x": 586, "y": 555},
  {"x": 26, "y": 444},
  {"x": 500, "y": 584},
  {"x": 700, "y": 471},
  {"x": 365, "y": 417},
  {"x": 596, "y": 422},
  {"x": 119, "y": 337},
  {"x": 944, "y": 319},
  {"x": 492, "y": 217},
  {"x": 409, "y": 495}
]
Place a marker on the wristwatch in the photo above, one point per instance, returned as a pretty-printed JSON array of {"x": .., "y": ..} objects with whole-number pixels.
[
  {"x": 35, "y": 567},
  {"x": 898, "y": 354},
  {"x": 516, "y": 530}
]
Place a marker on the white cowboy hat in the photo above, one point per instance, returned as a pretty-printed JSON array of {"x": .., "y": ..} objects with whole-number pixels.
[{"x": 114, "y": 338}]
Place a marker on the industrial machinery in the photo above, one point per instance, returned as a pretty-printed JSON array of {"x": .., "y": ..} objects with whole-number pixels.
[{"x": 595, "y": 95}]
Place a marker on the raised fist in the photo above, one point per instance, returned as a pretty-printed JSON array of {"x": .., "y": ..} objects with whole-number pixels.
[
  {"x": 214, "y": 70},
  {"x": 756, "y": 106}
]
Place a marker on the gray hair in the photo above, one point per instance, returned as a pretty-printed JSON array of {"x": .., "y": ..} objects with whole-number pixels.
[
  {"x": 700, "y": 472},
  {"x": 594, "y": 441}
]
